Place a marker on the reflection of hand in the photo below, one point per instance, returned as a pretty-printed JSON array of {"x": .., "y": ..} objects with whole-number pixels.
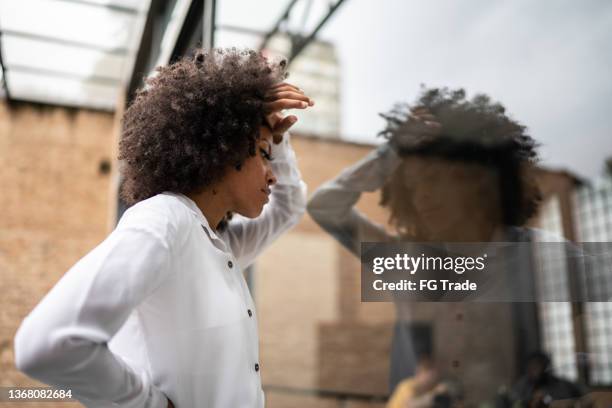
[
  {"x": 423, "y": 121},
  {"x": 170, "y": 404},
  {"x": 420, "y": 126},
  {"x": 280, "y": 97}
]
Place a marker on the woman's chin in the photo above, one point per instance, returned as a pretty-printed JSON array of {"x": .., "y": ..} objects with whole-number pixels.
[{"x": 252, "y": 212}]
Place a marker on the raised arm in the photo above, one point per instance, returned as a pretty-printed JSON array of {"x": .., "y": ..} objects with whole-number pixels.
[
  {"x": 64, "y": 341},
  {"x": 248, "y": 237},
  {"x": 332, "y": 205}
]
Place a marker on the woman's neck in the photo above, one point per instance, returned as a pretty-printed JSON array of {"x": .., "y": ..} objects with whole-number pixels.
[{"x": 213, "y": 204}]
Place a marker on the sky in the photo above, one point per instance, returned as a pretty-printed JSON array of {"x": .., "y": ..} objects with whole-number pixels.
[{"x": 549, "y": 62}]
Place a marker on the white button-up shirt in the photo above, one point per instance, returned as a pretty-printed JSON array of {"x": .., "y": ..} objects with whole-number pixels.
[{"x": 161, "y": 307}]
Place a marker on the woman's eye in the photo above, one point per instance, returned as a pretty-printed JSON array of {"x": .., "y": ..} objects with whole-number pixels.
[{"x": 266, "y": 155}]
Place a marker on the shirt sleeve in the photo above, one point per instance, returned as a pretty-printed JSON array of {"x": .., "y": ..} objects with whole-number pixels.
[
  {"x": 64, "y": 341},
  {"x": 249, "y": 237},
  {"x": 332, "y": 205}
]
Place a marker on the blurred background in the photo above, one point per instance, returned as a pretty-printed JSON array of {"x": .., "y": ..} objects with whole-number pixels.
[{"x": 69, "y": 68}]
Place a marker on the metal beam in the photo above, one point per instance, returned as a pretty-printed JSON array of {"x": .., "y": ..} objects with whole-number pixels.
[
  {"x": 71, "y": 43},
  {"x": 143, "y": 55},
  {"x": 113, "y": 7},
  {"x": 299, "y": 41},
  {"x": 62, "y": 74},
  {"x": 7, "y": 94},
  {"x": 188, "y": 35},
  {"x": 299, "y": 46},
  {"x": 241, "y": 30},
  {"x": 209, "y": 27},
  {"x": 279, "y": 22}
]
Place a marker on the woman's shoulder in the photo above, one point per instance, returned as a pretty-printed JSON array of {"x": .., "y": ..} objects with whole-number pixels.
[{"x": 163, "y": 215}]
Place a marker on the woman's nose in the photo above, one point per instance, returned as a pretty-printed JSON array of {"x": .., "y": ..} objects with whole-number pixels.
[{"x": 271, "y": 178}]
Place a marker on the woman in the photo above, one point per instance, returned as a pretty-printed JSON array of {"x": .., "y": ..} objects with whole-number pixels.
[
  {"x": 159, "y": 313},
  {"x": 441, "y": 158}
]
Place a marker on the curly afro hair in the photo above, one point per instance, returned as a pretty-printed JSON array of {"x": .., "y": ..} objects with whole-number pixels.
[
  {"x": 474, "y": 130},
  {"x": 192, "y": 120}
]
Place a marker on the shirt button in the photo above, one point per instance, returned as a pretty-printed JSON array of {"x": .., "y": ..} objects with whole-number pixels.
[
  {"x": 230, "y": 264},
  {"x": 250, "y": 313},
  {"x": 256, "y": 367}
]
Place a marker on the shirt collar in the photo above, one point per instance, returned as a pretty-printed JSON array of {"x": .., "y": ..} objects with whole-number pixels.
[{"x": 193, "y": 207}]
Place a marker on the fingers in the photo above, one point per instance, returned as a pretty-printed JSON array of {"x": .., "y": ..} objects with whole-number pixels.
[
  {"x": 421, "y": 113},
  {"x": 281, "y": 104},
  {"x": 289, "y": 95},
  {"x": 418, "y": 110},
  {"x": 433, "y": 125},
  {"x": 423, "y": 121},
  {"x": 429, "y": 120},
  {"x": 273, "y": 118},
  {"x": 280, "y": 97},
  {"x": 277, "y": 138},
  {"x": 285, "y": 86},
  {"x": 286, "y": 96},
  {"x": 279, "y": 124},
  {"x": 423, "y": 117},
  {"x": 425, "y": 127},
  {"x": 282, "y": 126}
]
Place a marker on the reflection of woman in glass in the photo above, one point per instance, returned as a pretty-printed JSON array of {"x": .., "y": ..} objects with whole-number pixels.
[
  {"x": 453, "y": 170},
  {"x": 160, "y": 310}
]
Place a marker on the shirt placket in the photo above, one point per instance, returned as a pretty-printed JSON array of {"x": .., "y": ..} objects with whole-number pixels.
[
  {"x": 234, "y": 270},
  {"x": 250, "y": 313}
]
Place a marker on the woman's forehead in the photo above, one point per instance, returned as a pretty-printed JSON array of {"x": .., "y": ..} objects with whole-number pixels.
[{"x": 265, "y": 134}]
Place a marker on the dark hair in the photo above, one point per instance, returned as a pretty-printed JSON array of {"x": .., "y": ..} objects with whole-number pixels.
[
  {"x": 192, "y": 120},
  {"x": 476, "y": 130}
]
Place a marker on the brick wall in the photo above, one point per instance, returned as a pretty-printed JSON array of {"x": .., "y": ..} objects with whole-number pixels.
[{"x": 55, "y": 203}]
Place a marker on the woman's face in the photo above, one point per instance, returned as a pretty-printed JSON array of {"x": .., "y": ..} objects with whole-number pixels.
[
  {"x": 249, "y": 187},
  {"x": 444, "y": 194}
]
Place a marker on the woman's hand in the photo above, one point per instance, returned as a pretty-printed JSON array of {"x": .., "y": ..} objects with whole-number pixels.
[
  {"x": 420, "y": 127},
  {"x": 423, "y": 121},
  {"x": 283, "y": 96}
]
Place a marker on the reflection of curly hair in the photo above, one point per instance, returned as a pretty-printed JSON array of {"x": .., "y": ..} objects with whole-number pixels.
[
  {"x": 476, "y": 130},
  {"x": 192, "y": 120}
]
